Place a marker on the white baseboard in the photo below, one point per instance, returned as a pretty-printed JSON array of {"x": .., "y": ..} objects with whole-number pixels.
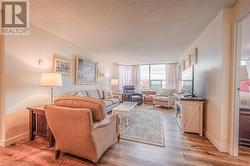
[
  {"x": 14, "y": 139},
  {"x": 212, "y": 139},
  {"x": 1, "y": 143}
]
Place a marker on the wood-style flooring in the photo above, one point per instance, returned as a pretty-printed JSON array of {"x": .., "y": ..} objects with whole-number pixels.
[{"x": 180, "y": 150}]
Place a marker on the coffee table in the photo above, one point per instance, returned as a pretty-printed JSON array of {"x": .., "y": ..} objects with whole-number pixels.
[{"x": 125, "y": 108}]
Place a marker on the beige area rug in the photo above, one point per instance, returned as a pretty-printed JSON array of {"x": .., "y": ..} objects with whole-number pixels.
[{"x": 145, "y": 126}]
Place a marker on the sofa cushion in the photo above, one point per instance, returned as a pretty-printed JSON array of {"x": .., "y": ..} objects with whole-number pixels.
[
  {"x": 161, "y": 98},
  {"x": 93, "y": 94},
  {"x": 74, "y": 93},
  {"x": 166, "y": 92},
  {"x": 105, "y": 93},
  {"x": 96, "y": 106},
  {"x": 101, "y": 94},
  {"x": 82, "y": 93}
]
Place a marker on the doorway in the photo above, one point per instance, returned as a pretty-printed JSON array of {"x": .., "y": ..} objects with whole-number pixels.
[{"x": 241, "y": 113}]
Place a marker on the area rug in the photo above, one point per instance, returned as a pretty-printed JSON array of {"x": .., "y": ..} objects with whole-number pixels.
[{"x": 144, "y": 126}]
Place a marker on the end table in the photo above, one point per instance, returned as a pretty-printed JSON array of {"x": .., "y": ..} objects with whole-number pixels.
[{"x": 38, "y": 124}]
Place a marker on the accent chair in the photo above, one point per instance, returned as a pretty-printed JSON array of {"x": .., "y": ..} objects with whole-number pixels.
[
  {"x": 81, "y": 127},
  {"x": 130, "y": 94}
]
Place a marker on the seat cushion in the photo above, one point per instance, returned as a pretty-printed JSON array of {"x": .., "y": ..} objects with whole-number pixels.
[
  {"x": 114, "y": 100},
  {"x": 136, "y": 98},
  {"x": 161, "y": 98},
  {"x": 93, "y": 94},
  {"x": 108, "y": 103}
]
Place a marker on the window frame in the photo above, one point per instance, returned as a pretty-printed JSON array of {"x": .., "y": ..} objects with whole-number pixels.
[{"x": 150, "y": 80}]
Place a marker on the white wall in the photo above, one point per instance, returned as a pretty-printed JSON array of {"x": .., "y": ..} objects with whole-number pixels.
[
  {"x": 212, "y": 75},
  {"x": 22, "y": 75},
  {"x": 1, "y": 87}
]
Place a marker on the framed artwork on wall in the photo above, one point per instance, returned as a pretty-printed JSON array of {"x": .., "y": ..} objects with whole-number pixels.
[
  {"x": 86, "y": 71},
  {"x": 194, "y": 56},
  {"x": 100, "y": 72},
  {"x": 187, "y": 62},
  {"x": 61, "y": 65}
]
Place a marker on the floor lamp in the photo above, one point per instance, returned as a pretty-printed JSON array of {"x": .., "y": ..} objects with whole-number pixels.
[
  {"x": 51, "y": 80},
  {"x": 114, "y": 83}
]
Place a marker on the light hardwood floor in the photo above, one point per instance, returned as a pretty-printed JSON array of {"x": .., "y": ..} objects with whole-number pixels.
[{"x": 188, "y": 149}]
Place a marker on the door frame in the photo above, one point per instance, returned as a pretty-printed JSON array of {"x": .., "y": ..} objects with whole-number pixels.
[{"x": 235, "y": 97}]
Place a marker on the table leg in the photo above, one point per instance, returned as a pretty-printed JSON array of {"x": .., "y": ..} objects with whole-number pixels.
[{"x": 32, "y": 124}]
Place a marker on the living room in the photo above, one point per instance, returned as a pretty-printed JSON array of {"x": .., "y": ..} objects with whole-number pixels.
[{"x": 134, "y": 64}]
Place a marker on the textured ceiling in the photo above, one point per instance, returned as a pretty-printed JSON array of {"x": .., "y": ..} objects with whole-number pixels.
[{"x": 126, "y": 31}]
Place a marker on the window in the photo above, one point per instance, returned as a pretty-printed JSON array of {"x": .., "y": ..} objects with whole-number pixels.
[
  {"x": 144, "y": 80},
  {"x": 153, "y": 76}
]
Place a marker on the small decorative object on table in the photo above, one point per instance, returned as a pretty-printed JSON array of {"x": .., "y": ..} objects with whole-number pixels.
[{"x": 38, "y": 124}]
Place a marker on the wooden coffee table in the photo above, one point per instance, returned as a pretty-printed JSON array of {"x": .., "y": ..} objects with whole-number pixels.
[{"x": 125, "y": 108}]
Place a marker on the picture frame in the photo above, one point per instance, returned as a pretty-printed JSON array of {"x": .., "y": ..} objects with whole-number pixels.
[
  {"x": 100, "y": 72},
  {"x": 194, "y": 56},
  {"x": 61, "y": 65},
  {"x": 187, "y": 62},
  {"x": 85, "y": 71}
]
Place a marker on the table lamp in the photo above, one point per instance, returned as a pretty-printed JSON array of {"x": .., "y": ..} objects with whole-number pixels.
[
  {"x": 114, "y": 83},
  {"x": 51, "y": 80}
]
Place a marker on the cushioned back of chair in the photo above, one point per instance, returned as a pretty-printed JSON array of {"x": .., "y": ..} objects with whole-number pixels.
[
  {"x": 129, "y": 89},
  {"x": 96, "y": 106}
]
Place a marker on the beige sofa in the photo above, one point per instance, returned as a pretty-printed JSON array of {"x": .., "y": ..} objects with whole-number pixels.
[
  {"x": 100, "y": 94},
  {"x": 165, "y": 98},
  {"x": 81, "y": 127}
]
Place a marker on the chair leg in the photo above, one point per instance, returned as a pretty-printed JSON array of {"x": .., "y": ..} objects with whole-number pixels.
[
  {"x": 57, "y": 155},
  {"x": 119, "y": 137}
]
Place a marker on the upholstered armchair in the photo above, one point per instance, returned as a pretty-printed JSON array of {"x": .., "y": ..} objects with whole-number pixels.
[
  {"x": 81, "y": 127},
  {"x": 130, "y": 94}
]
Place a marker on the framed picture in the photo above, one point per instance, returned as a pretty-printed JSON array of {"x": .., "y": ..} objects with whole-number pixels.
[
  {"x": 187, "y": 62},
  {"x": 61, "y": 65},
  {"x": 100, "y": 72},
  {"x": 194, "y": 56},
  {"x": 86, "y": 71}
]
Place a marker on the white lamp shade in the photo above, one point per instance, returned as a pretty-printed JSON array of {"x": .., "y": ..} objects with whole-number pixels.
[
  {"x": 114, "y": 82},
  {"x": 51, "y": 80},
  {"x": 243, "y": 73}
]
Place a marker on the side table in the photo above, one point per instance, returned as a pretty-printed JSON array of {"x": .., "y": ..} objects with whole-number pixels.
[{"x": 38, "y": 124}]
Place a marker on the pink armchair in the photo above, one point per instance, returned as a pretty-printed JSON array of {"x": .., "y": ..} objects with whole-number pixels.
[{"x": 81, "y": 127}]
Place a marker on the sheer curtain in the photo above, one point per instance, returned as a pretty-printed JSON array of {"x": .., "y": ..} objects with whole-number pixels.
[
  {"x": 171, "y": 76},
  {"x": 135, "y": 73},
  {"x": 127, "y": 75}
]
